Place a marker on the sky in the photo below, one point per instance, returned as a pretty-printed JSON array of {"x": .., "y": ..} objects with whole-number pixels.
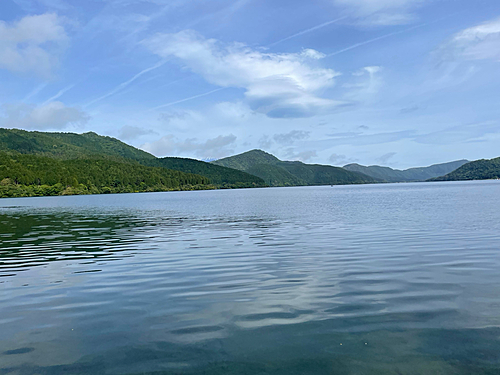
[{"x": 401, "y": 83}]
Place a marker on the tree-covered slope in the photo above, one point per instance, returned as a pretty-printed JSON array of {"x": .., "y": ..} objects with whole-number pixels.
[
  {"x": 218, "y": 175},
  {"x": 67, "y": 145},
  {"x": 274, "y": 175},
  {"x": 413, "y": 174},
  {"x": 316, "y": 174},
  {"x": 247, "y": 160},
  {"x": 287, "y": 173},
  {"x": 475, "y": 170},
  {"x": 33, "y": 175}
]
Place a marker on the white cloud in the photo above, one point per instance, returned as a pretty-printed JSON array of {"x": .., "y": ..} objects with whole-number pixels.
[
  {"x": 279, "y": 85},
  {"x": 289, "y": 138},
  {"x": 382, "y": 12},
  {"x": 367, "y": 83},
  {"x": 32, "y": 5},
  {"x": 53, "y": 115},
  {"x": 480, "y": 42},
  {"x": 212, "y": 148},
  {"x": 31, "y": 45},
  {"x": 129, "y": 132},
  {"x": 303, "y": 156},
  {"x": 340, "y": 159},
  {"x": 383, "y": 159}
]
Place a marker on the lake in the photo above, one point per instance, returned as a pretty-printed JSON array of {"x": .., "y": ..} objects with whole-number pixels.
[{"x": 368, "y": 279}]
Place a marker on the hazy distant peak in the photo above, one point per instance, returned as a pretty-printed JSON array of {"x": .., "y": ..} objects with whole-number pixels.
[{"x": 412, "y": 174}]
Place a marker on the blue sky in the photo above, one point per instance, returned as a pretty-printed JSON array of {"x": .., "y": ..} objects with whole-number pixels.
[{"x": 401, "y": 83}]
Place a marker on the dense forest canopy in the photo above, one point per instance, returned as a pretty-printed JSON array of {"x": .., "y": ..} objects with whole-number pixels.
[{"x": 32, "y": 175}]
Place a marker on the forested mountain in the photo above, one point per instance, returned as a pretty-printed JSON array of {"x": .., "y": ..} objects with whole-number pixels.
[
  {"x": 475, "y": 170},
  {"x": 39, "y": 163},
  {"x": 413, "y": 174},
  {"x": 247, "y": 160},
  {"x": 67, "y": 145},
  {"x": 32, "y": 175},
  {"x": 291, "y": 173}
]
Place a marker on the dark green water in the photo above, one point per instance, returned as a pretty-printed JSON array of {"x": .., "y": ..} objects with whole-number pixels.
[{"x": 381, "y": 279}]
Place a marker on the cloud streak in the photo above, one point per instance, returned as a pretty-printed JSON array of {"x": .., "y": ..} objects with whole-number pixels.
[{"x": 481, "y": 42}]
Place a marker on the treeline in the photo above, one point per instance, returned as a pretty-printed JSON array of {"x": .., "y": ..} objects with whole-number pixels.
[
  {"x": 32, "y": 175},
  {"x": 221, "y": 177}
]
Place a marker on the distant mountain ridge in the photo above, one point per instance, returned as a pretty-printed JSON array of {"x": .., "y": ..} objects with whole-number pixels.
[
  {"x": 475, "y": 170},
  {"x": 276, "y": 172},
  {"x": 408, "y": 175}
]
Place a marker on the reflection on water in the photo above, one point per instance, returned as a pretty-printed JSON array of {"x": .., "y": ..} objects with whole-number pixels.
[{"x": 387, "y": 279}]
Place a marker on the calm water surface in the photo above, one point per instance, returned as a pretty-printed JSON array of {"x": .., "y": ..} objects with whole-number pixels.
[{"x": 374, "y": 279}]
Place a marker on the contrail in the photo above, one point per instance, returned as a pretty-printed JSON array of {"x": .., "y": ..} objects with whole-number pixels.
[
  {"x": 125, "y": 84},
  {"x": 61, "y": 92},
  {"x": 307, "y": 31},
  {"x": 187, "y": 99},
  {"x": 391, "y": 34},
  {"x": 35, "y": 91},
  {"x": 376, "y": 39}
]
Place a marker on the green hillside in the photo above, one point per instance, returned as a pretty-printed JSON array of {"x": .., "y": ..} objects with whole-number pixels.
[
  {"x": 67, "y": 145},
  {"x": 91, "y": 147},
  {"x": 247, "y": 160},
  {"x": 413, "y": 174},
  {"x": 475, "y": 170},
  {"x": 218, "y": 175},
  {"x": 316, "y": 174},
  {"x": 274, "y": 175},
  {"x": 33, "y": 175},
  {"x": 291, "y": 173}
]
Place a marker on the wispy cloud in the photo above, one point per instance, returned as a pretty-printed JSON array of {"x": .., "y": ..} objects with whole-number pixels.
[
  {"x": 367, "y": 83},
  {"x": 128, "y": 132},
  {"x": 383, "y": 159},
  {"x": 294, "y": 135},
  {"x": 304, "y": 156},
  {"x": 481, "y": 42}
]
